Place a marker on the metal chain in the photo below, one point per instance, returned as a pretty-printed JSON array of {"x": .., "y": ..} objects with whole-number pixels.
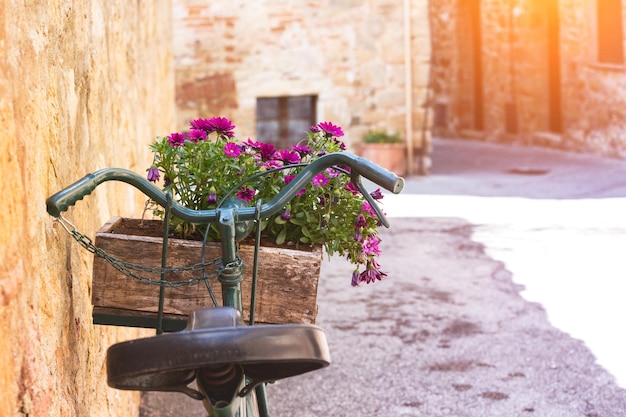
[{"x": 136, "y": 271}]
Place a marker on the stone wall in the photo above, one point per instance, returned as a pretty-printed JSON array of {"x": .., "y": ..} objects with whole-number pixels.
[
  {"x": 83, "y": 85},
  {"x": 594, "y": 94},
  {"x": 522, "y": 75},
  {"x": 351, "y": 54}
]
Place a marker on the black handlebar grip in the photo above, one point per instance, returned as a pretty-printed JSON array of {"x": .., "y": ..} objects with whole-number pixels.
[{"x": 64, "y": 199}]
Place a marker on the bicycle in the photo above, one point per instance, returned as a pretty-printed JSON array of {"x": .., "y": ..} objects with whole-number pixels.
[{"x": 229, "y": 361}]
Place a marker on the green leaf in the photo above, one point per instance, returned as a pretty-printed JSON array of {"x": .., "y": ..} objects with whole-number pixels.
[
  {"x": 280, "y": 238},
  {"x": 298, "y": 222}
]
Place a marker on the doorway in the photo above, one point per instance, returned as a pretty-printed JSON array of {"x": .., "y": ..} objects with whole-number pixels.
[{"x": 470, "y": 75}]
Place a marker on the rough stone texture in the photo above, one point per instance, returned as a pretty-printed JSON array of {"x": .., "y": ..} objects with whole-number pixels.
[
  {"x": 83, "y": 85},
  {"x": 515, "y": 62},
  {"x": 349, "y": 53}
]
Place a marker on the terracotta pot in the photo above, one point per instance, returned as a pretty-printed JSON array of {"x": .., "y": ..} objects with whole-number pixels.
[
  {"x": 286, "y": 287},
  {"x": 391, "y": 156}
]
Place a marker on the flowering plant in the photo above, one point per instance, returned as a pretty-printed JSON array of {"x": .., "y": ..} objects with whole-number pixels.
[{"x": 207, "y": 164}]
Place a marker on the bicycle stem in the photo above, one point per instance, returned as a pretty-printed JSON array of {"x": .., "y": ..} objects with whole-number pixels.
[{"x": 230, "y": 274}]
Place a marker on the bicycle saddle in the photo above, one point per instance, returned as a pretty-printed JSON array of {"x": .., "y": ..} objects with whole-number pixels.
[{"x": 213, "y": 337}]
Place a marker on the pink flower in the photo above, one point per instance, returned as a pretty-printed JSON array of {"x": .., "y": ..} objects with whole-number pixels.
[
  {"x": 371, "y": 274},
  {"x": 176, "y": 139},
  {"x": 370, "y": 245},
  {"x": 332, "y": 172},
  {"x": 366, "y": 207},
  {"x": 221, "y": 125},
  {"x": 267, "y": 150},
  {"x": 330, "y": 129},
  {"x": 246, "y": 194},
  {"x": 274, "y": 163},
  {"x": 302, "y": 149},
  {"x": 377, "y": 195},
  {"x": 232, "y": 149},
  {"x": 320, "y": 180},
  {"x": 196, "y": 135},
  {"x": 352, "y": 188},
  {"x": 360, "y": 222},
  {"x": 202, "y": 124},
  {"x": 252, "y": 143},
  {"x": 288, "y": 157}
]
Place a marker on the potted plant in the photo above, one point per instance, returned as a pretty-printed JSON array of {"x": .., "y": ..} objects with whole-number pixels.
[
  {"x": 207, "y": 164},
  {"x": 385, "y": 149}
]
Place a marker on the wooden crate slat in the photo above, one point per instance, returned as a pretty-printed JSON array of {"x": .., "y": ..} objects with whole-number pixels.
[{"x": 286, "y": 288}]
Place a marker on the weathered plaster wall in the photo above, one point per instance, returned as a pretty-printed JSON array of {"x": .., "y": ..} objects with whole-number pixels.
[
  {"x": 349, "y": 53},
  {"x": 83, "y": 85}
]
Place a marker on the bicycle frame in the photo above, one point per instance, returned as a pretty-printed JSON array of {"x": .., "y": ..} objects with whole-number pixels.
[
  {"x": 230, "y": 280},
  {"x": 233, "y": 221}
]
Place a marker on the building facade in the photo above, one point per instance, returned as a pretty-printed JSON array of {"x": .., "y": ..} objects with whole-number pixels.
[
  {"x": 545, "y": 72},
  {"x": 275, "y": 68}
]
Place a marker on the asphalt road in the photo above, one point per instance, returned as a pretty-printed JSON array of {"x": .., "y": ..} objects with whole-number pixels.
[{"x": 449, "y": 332}]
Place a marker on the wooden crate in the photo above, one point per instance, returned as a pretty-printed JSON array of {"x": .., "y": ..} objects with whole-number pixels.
[{"x": 286, "y": 287}]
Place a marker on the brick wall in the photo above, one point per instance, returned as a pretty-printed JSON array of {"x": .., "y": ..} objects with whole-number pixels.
[{"x": 83, "y": 85}]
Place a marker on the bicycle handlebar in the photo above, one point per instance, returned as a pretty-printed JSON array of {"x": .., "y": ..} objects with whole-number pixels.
[{"x": 61, "y": 201}]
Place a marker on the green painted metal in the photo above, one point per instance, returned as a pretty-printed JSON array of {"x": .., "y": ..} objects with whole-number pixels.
[{"x": 234, "y": 220}]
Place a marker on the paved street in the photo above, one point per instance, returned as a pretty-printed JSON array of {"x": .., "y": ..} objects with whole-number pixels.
[
  {"x": 506, "y": 279},
  {"x": 503, "y": 296}
]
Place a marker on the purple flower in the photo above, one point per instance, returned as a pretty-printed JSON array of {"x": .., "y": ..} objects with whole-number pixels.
[
  {"x": 288, "y": 157},
  {"x": 267, "y": 150},
  {"x": 222, "y": 126},
  {"x": 314, "y": 129},
  {"x": 246, "y": 194},
  {"x": 366, "y": 207},
  {"x": 342, "y": 145},
  {"x": 176, "y": 139},
  {"x": 332, "y": 172},
  {"x": 370, "y": 245},
  {"x": 286, "y": 215},
  {"x": 274, "y": 163},
  {"x": 320, "y": 180},
  {"x": 356, "y": 277},
  {"x": 330, "y": 129},
  {"x": 352, "y": 188},
  {"x": 360, "y": 222},
  {"x": 377, "y": 195},
  {"x": 371, "y": 274},
  {"x": 202, "y": 124},
  {"x": 303, "y": 150},
  {"x": 212, "y": 197},
  {"x": 153, "y": 174},
  {"x": 252, "y": 143},
  {"x": 232, "y": 149},
  {"x": 196, "y": 135}
]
